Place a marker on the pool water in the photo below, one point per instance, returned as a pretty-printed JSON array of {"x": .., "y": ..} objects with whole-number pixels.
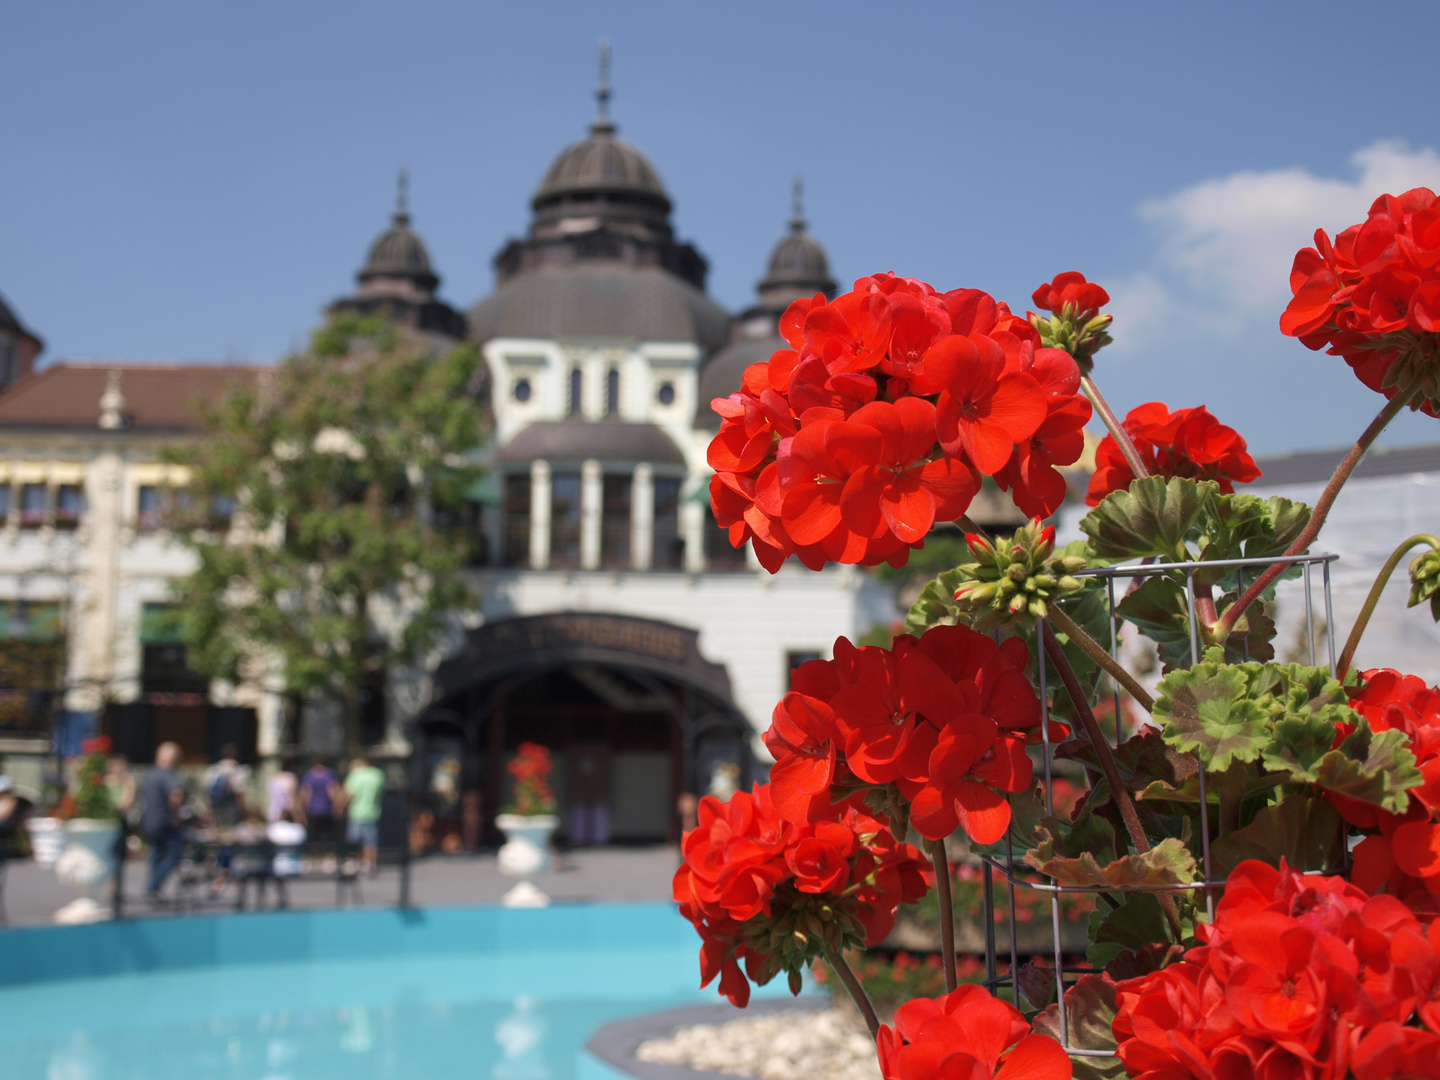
[{"x": 487, "y": 1006}]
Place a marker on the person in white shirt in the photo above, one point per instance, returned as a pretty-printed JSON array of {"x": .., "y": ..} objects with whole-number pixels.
[{"x": 288, "y": 836}]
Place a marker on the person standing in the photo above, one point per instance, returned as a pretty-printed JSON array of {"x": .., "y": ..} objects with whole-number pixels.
[
  {"x": 281, "y": 790},
  {"x": 364, "y": 786},
  {"x": 160, "y": 799},
  {"x": 121, "y": 783},
  {"x": 319, "y": 796}
]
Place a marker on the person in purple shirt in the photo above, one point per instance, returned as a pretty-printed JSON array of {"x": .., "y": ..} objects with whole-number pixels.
[{"x": 319, "y": 801}]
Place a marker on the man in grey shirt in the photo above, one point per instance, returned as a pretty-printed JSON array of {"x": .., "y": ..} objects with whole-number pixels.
[{"x": 160, "y": 798}]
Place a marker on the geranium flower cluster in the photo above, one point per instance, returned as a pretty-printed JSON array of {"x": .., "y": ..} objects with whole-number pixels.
[
  {"x": 1402, "y": 859},
  {"x": 1188, "y": 442},
  {"x": 933, "y": 731},
  {"x": 529, "y": 768},
  {"x": 967, "y": 1035},
  {"x": 881, "y": 418},
  {"x": 1299, "y": 976},
  {"x": 1373, "y": 295},
  {"x": 771, "y": 894}
]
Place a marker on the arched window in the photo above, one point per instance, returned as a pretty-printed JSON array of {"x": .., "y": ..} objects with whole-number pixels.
[
  {"x": 575, "y": 383},
  {"x": 612, "y": 393}
]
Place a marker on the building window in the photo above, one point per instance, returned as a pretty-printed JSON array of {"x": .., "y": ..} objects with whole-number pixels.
[
  {"x": 522, "y": 390},
  {"x": 222, "y": 512},
  {"x": 612, "y": 393},
  {"x": 615, "y": 521},
  {"x": 32, "y": 506},
  {"x": 720, "y": 554},
  {"x": 669, "y": 546},
  {"x": 69, "y": 505},
  {"x": 576, "y": 385},
  {"x": 517, "y": 520},
  {"x": 32, "y": 666},
  {"x": 164, "y": 662},
  {"x": 666, "y": 396},
  {"x": 150, "y": 507},
  {"x": 565, "y": 520},
  {"x": 4, "y": 502}
]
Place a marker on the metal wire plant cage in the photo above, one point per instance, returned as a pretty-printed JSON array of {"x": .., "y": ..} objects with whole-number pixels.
[{"x": 1018, "y": 876}]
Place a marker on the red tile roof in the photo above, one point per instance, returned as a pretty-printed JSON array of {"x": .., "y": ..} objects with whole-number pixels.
[{"x": 158, "y": 397}]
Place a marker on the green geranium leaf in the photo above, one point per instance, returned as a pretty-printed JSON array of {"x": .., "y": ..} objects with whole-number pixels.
[
  {"x": 1207, "y": 710},
  {"x": 1090, "y": 1007},
  {"x": 1371, "y": 767},
  {"x": 1286, "y": 520},
  {"x": 1160, "y": 611},
  {"x": 1167, "y": 863},
  {"x": 1300, "y": 741},
  {"x": 1151, "y": 517},
  {"x": 1305, "y": 831},
  {"x": 936, "y": 605}
]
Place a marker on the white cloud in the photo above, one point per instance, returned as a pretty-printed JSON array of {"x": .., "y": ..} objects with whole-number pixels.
[{"x": 1224, "y": 246}]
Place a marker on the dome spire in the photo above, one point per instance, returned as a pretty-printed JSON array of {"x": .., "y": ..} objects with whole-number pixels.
[
  {"x": 402, "y": 198},
  {"x": 603, "y": 124},
  {"x": 797, "y": 205}
]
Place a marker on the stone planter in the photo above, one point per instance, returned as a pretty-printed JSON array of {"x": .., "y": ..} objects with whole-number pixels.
[
  {"x": 47, "y": 839},
  {"x": 525, "y": 853},
  {"x": 86, "y": 865}
]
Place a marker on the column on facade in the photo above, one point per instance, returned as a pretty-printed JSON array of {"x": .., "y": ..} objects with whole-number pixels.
[
  {"x": 692, "y": 527},
  {"x": 592, "y": 494},
  {"x": 93, "y": 622},
  {"x": 539, "y": 515},
  {"x": 642, "y": 517}
]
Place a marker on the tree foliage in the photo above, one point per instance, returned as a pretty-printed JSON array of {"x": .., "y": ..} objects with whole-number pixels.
[{"x": 346, "y": 469}]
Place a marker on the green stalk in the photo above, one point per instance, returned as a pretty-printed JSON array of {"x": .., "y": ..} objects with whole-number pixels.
[
  {"x": 1117, "y": 429},
  {"x": 1226, "y": 623},
  {"x": 1108, "y": 765},
  {"x": 1092, "y": 648},
  {"x": 857, "y": 992},
  {"x": 941, "y": 863},
  {"x": 1363, "y": 619}
]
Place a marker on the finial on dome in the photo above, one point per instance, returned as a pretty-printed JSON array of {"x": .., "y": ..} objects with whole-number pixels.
[
  {"x": 402, "y": 198},
  {"x": 602, "y": 91},
  {"x": 797, "y": 206}
]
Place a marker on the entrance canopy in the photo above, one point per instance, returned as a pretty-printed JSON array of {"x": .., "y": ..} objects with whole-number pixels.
[{"x": 633, "y": 713}]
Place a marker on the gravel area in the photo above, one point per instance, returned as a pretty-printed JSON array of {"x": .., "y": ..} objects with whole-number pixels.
[{"x": 825, "y": 1045}]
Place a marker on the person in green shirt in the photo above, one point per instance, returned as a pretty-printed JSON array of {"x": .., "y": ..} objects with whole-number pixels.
[{"x": 364, "y": 785}]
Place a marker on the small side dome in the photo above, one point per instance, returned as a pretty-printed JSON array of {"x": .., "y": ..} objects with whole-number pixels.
[
  {"x": 398, "y": 252},
  {"x": 798, "y": 266}
]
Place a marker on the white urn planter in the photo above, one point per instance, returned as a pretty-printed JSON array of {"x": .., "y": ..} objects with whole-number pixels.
[
  {"x": 47, "y": 839},
  {"x": 525, "y": 853},
  {"x": 86, "y": 865}
]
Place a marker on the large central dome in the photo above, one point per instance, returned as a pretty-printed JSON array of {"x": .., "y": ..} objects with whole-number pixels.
[
  {"x": 601, "y": 259},
  {"x": 600, "y": 163}
]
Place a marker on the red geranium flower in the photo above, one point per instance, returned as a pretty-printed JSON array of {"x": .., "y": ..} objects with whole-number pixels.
[
  {"x": 1188, "y": 442},
  {"x": 1070, "y": 289},
  {"x": 967, "y": 1035}
]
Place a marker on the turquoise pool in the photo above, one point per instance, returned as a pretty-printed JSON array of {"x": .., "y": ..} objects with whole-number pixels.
[{"x": 354, "y": 995}]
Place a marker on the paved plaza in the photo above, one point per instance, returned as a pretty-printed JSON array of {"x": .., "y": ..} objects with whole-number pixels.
[{"x": 32, "y": 895}]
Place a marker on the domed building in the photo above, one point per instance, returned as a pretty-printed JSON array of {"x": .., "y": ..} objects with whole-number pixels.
[{"x": 618, "y": 626}]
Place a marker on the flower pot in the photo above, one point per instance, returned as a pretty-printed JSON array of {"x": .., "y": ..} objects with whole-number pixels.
[
  {"x": 47, "y": 839},
  {"x": 525, "y": 854},
  {"x": 86, "y": 865}
]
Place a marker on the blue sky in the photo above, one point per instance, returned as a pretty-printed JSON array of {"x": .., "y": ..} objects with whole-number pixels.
[{"x": 196, "y": 181}]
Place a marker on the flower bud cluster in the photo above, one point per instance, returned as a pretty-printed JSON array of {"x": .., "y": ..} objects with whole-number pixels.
[
  {"x": 1015, "y": 578},
  {"x": 1075, "y": 324},
  {"x": 1425, "y": 582}
]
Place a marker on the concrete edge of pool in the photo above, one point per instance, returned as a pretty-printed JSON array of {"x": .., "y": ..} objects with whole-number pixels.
[
  {"x": 133, "y": 946},
  {"x": 609, "y": 1054}
]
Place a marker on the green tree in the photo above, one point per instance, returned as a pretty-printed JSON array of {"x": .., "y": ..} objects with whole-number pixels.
[{"x": 346, "y": 471}]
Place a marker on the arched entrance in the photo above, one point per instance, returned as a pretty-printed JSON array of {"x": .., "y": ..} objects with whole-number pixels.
[{"x": 631, "y": 711}]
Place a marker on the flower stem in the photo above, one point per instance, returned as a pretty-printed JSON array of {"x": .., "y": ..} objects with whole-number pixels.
[
  {"x": 1117, "y": 429},
  {"x": 1363, "y": 619},
  {"x": 1108, "y": 765},
  {"x": 1092, "y": 648},
  {"x": 1226, "y": 624},
  {"x": 857, "y": 992},
  {"x": 947, "y": 914}
]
